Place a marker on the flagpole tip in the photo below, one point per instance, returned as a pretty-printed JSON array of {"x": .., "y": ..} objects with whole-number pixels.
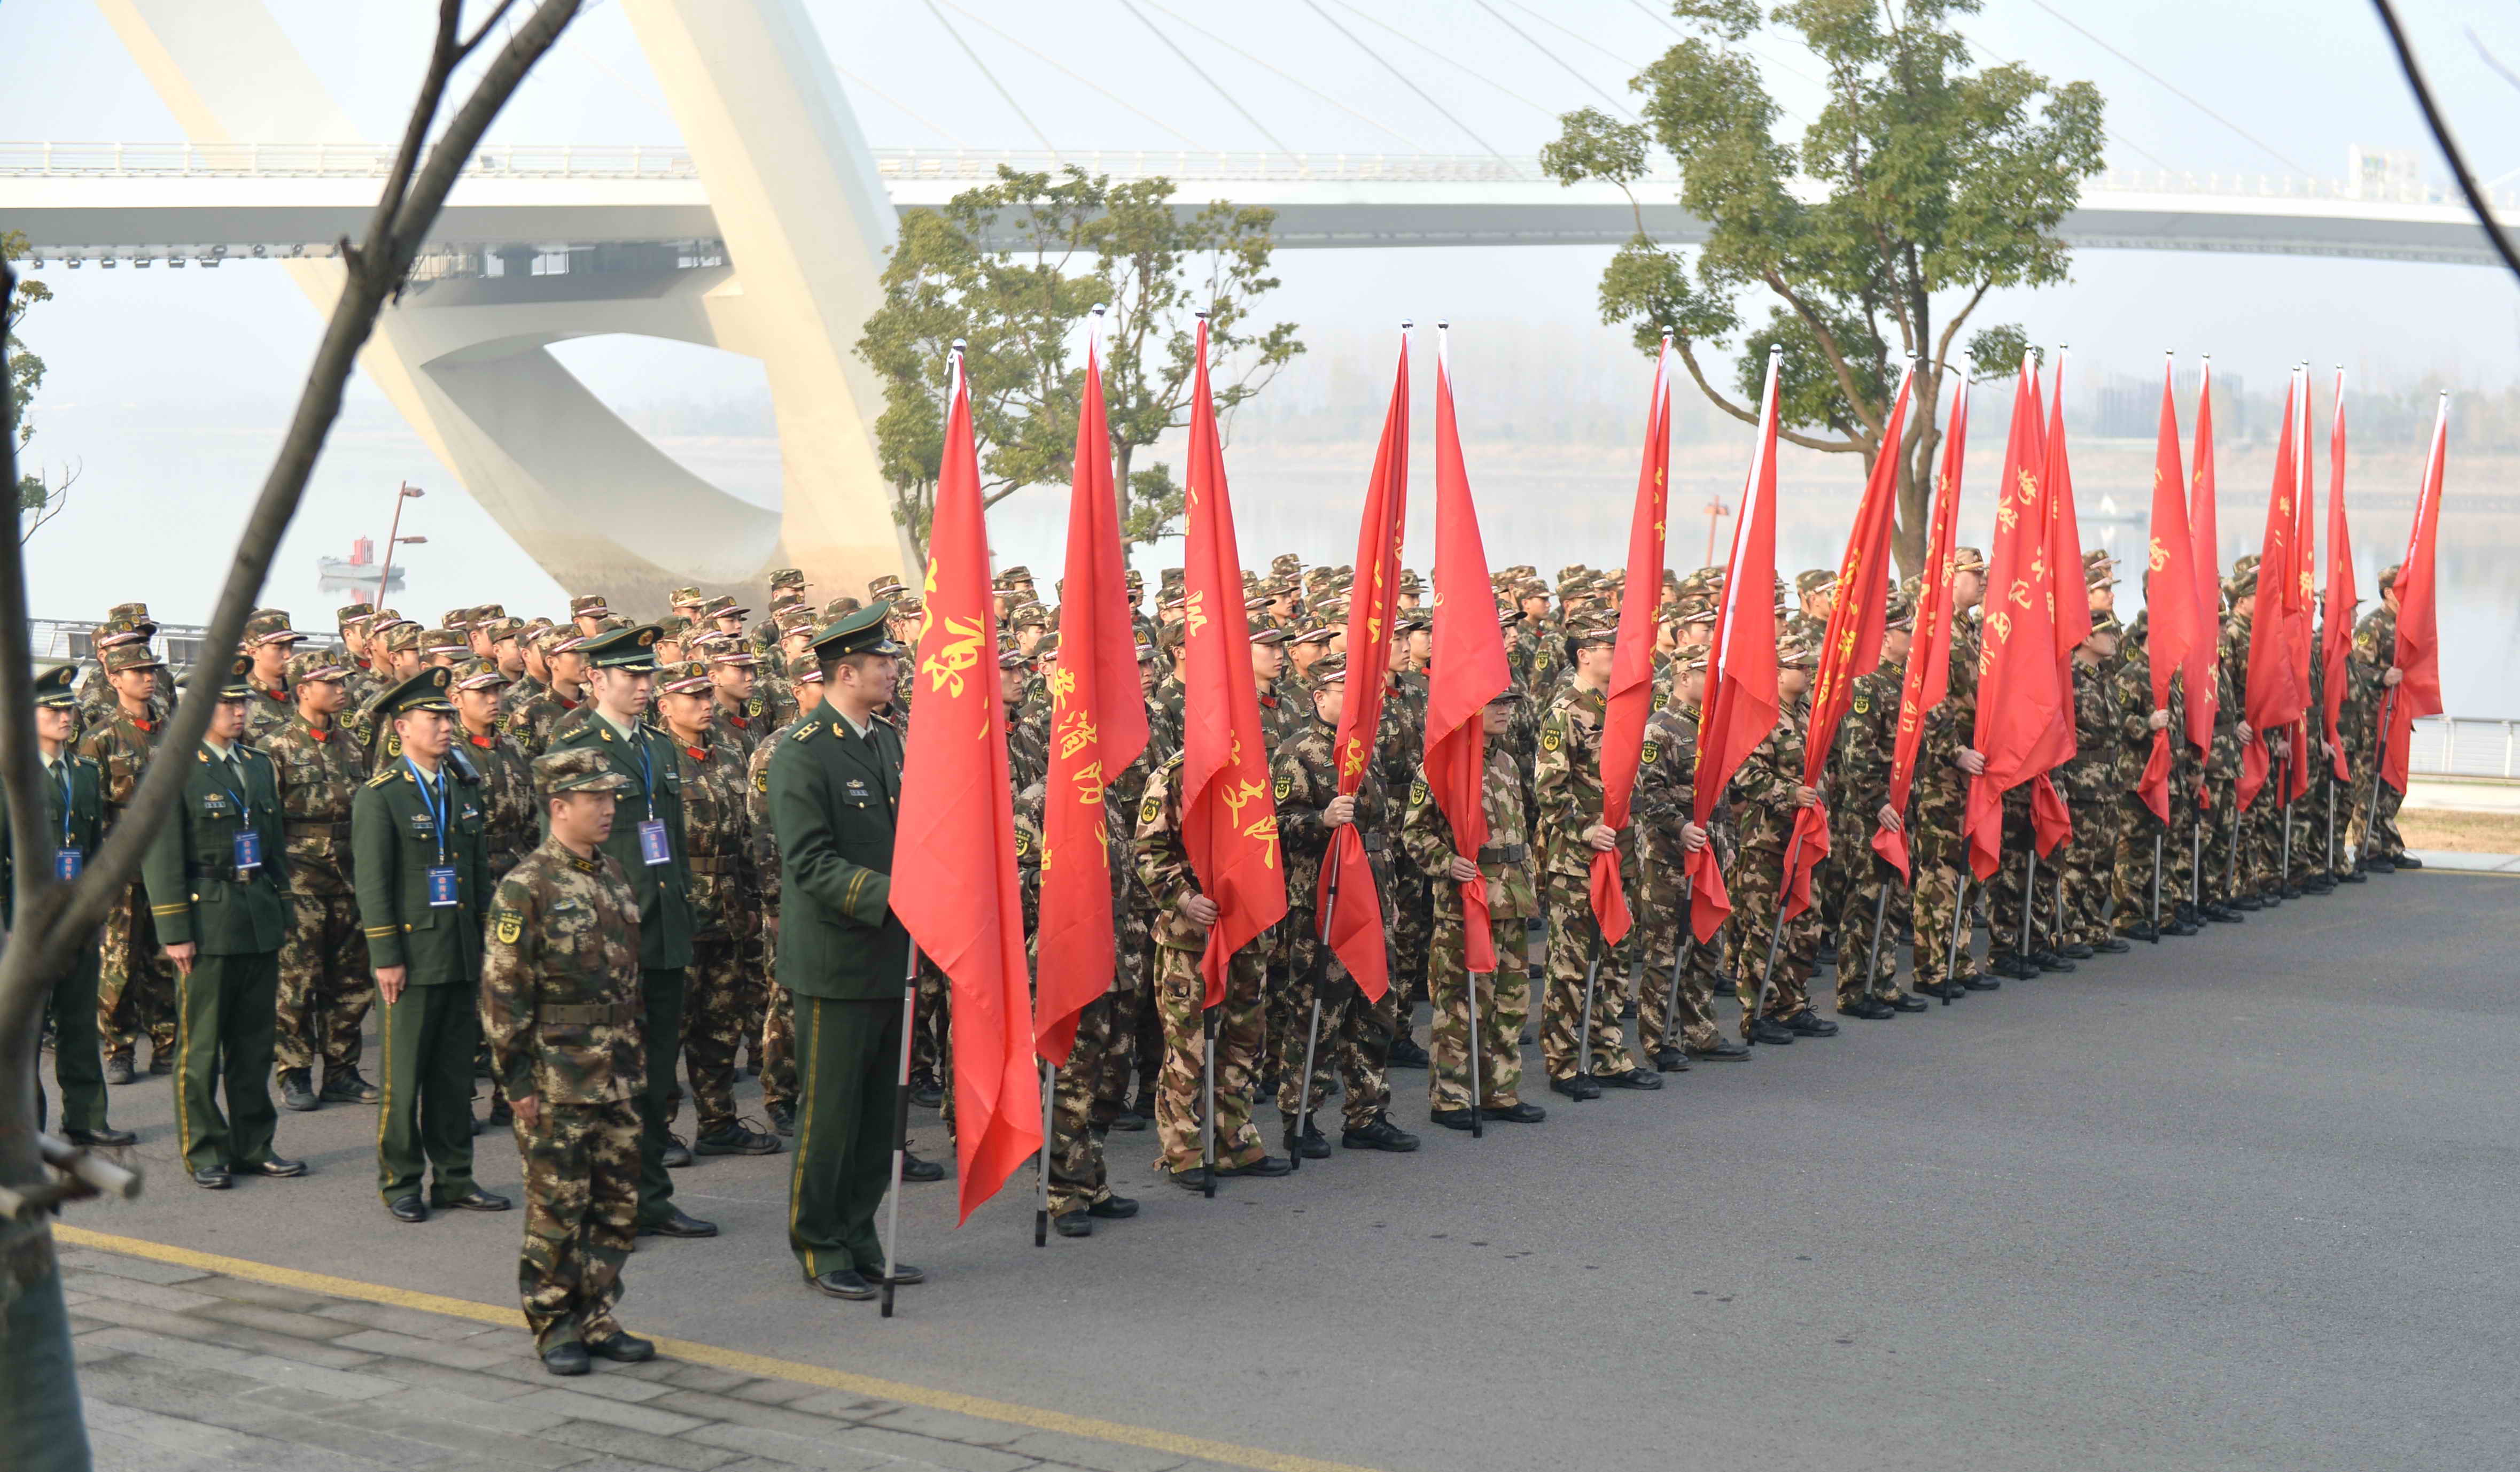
[
  {"x": 1442, "y": 324},
  {"x": 958, "y": 345},
  {"x": 1099, "y": 307}
]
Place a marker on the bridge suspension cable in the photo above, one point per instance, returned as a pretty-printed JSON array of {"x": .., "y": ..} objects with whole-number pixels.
[
  {"x": 2166, "y": 85},
  {"x": 1384, "y": 63},
  {"x": 1286, "y": 76},
  {"x": 1004, "y": 95},
  {"x": 1200, "y": 73},
  {"x": 1543, "y": 108},
  {"x": 1073, "y": 74},
  {"x": 1563, "y": 64}
]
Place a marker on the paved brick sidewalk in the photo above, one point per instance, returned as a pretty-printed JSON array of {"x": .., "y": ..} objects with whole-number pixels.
[{"x": 183, "y": 1368}]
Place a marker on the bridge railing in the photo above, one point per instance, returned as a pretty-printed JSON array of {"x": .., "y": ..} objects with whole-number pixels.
[{"x": 331, "y": 160}]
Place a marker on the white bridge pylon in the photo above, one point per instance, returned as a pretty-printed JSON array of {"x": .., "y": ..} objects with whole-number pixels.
[{"x": 791, "y": 191}]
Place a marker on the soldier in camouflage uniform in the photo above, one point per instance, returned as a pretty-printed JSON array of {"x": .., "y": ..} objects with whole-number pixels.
[
  {"x": 1666, "y": 799},
  {"x": 1945, "y": 762},
  {"x": 529, "y": 726},
  {"x": 561, "y": 1006},
  {"x": 1501, "y": 996},
  {"x": 1402, "y": 747},
  {"x": 1310, "y": 812},
  {"x": 721, "y": 996},
  {"x": 135, "y": 986},
  {"x": 269, "y": 642},
  {"x": 1136, "y": 1047},
  {"x": 396, "y": 649},
  {"x": 2091, "y": 784},
  {"x": 1860, "y": 769},
  {"x": 1182, "y": 916},
  {"x": 325, "y": 988},
  {"x": 1080, "y": 1189},
  {"x": 352, "y": 622},
  {"x": 504, "y": 775},
  {"x": 1766, "y": 792},
  {"x": 1568, "y": 798},
  {"x": 740, "y": 717},
  {"x": 2382, "y": 848},
  {"x": 2129, "y": 707}
]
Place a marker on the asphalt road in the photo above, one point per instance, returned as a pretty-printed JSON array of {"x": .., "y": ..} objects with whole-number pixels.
[{"x": 2239, "y": 1201}]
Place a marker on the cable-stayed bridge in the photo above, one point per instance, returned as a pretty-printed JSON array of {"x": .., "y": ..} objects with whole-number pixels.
[{"x": 764, "y": 233}]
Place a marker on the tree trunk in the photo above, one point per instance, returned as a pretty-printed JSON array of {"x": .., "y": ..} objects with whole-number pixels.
[
  {"x": 40, "y": 1415},
  {"x": 1121, "y": 451}
]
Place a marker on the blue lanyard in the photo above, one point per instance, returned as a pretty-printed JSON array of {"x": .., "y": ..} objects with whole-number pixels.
[
  {"x": 647, "y": 772},
  {"x": 440, "y": 805},
  {"x": 63, "y": 764},
  {"x": 245, "y": 808}
]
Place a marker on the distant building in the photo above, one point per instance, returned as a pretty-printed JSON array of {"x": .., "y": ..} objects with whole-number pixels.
[{"x": 356, "y": 574}]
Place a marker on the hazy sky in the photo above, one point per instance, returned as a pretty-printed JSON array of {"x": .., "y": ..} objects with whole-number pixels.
[{"x": 169, "y": 386}]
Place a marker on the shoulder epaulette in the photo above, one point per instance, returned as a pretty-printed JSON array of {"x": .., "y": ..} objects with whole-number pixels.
[
  {"x": 806, "y": 730},
  {"x": 383, "y": 777}
]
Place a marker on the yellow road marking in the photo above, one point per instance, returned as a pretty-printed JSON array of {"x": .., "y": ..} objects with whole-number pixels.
[{"x": 738, "y": 1361}]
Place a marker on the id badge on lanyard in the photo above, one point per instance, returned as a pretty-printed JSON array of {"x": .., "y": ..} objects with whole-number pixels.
[
  {"x": 441, "y": 885},
  {"x": 249, "y": 850},
  {"x": 654, "y": 848},
  {"x": 68, "y": 863}
]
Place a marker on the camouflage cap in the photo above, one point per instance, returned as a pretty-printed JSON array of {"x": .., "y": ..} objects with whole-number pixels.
[
  {"x": 1793, "y": 654},
  {"x": 1411, "y": 582},
  {"x": 2105, "y": 622},
  {"x": 2246, "y": 562},
  {"x": 269, "y": 625},
  {"x": 132, "y": 615},
  {"x": 589, "y": 605},
  {"x": 1968, "y": 560},
  {"x": 1135, "y": 580},
  {"x": 2099, "y": 569},
  {"x": 489, "y": 610},
  {"x": 1811, "y": 580},
  {"x": 316, "y": 665},
  {"x": 458, "y": 618},
  {"x": 723, "y": 649},
  {"x": 1591, "y": 631},
  {"x": 684, "y": 597},
  {"x": 435, "y": 641},
  {"x": 841, "y": 608},
  {"x": 480, "y": 674},
  {"x": 1329, "y": 670},
  {"x": 787, "y": 577},
  {"x": 1046, "y": 650},
  {"x": 1017, "y": 574},
  {"x": 2389, "y": 575},
  {"x": 798, "y": 621},
  {"x": 352, "y": 615},
  {"x": 1029, "y": 616},
  {"x": 577, "y": 769},
  {"x": 1285, "y": 565},
  {"x": 724, "y": 606},
  {"x": 674, "y": 626},
  {"x": 689, "y": 677},
  {"x": 400, "y": 635},
  {"x": 804, "y": 670},
  {"x": 1269, "y": 636},
  {"x": 1169, "y": 636},
  {"x": 781, "y": 598},
  {"x": 134, "y": 655},
  {"x": 1011, "y": 657},
  {"x": 885, "y": 588},
  {"x": 503, "y": 629},
  {"x": 1899, "y": 611},
  {"x": 1317, "y": 634},
  {"x": 1691, "y": 661}
]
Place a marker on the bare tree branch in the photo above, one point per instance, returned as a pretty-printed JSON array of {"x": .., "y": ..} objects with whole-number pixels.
[
  {"x": 2439, "y": 126},
  {"x": 1714, "y": 396}
]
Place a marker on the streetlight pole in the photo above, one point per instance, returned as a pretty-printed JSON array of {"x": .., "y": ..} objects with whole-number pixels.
[{"x": 384, "y": 576}]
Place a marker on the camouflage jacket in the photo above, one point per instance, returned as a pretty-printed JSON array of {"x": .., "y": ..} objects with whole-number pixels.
[
  {"x": 1028, "y": 750},
  {"x": 742, "y": 729},
  {"x": 524, "y": 692},
  {"x": 1566, "y": 783},
  {"x": 559, "y": 980},
  {"x": 1506, "y": 858},
  {"x": 121, "y": 749},
  {"x": 1763, "y": 786},
  {"x": 267, "y": 709},
  {"x": 529, "y": 726},
  {"x": 778, "y": 707},
  {"x": 1164, "y": 716},
  {"x": 1867, "y": 742},
  {"x": 320, "y": 772},
  {"x": 1951, "y": 727},
  {"x": 1666, "y": 777},
  {"x": 1304, "y": 779},
  {"x": 756, "y": 811},
  {"x": 1030, "y": 839},
  {"x": 2091, "y": 776},
  {"x": 510, "y": 820},
  {"x": 718, "y": 831},
  {"x": 1163, "y": 863}
]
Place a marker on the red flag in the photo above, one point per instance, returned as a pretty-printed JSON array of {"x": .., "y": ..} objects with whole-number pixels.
[
  {"x": 2272, "y": 697},
  {"x": 1471, "y": 665},
  {"x": 2050, "y": 822},
  {"x": 1228, "y": 822},
  {"x": 2024, "y": 721},
  {"x": 2205, "y": 655},
  {"x": 2336, "y": 634},
  {"x": 1929, "y": 660},
  {"x": 2418, "y": 650},
  {"x": 1741, "y": 702},
  {"x": 1354, "y": 929},
  {"x": 1852, "y": 644},
  {"x": 954, "y": 857},
  {"x": 2169, "y": 592},
  {"x": 1098, "y": 725},
  {"x": 1631, "y": 693},
  {"x": 2300, "y": 602}
]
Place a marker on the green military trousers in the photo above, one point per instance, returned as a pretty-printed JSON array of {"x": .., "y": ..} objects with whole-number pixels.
[
  {"x": 224, "y": 1020},
  {"x": 848, "y": 1065},
  {"x": 78, "y": 1059},
  {"x": 660, "y": 993},
  {"x": 427, "y": 1036}
]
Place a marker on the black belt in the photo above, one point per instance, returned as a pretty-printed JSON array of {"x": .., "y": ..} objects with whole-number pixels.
[
  {"x": 339, "y": 833},
  {"x": 1375, "y": 843},
  {"x": 224, "y": 873},
  {"x": 1505, "y": 853},
  {"x": 724, "y": 865}
]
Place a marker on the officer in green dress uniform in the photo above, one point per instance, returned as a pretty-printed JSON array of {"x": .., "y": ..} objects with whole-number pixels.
[
  {"x": 422, "y": 870},
  {"x": 73, "y": 819},
  {"x": 835, "y": 788},
  {"x": 217, "y": 880},
  {"x": 647, "y": 840}
]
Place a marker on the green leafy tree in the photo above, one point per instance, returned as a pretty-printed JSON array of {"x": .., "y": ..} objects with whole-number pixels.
[
  {"x": 39, "y": 499},
  {"x": 1921, "y": 185},
  {"x": 1013, "y": 270}
]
